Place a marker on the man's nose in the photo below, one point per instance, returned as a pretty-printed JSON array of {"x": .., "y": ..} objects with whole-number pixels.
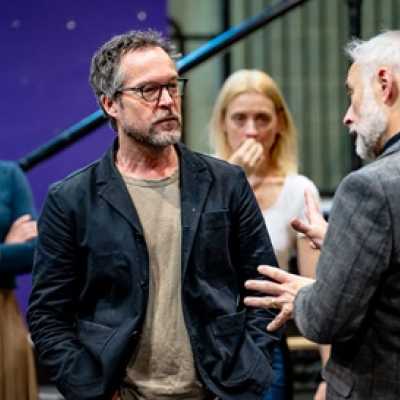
[
  {"x": 165, "y": 98},
  {"x": 348, "y": 118}
]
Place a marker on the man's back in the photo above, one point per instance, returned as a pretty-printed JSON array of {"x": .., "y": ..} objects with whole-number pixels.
[{"x": 358, "y": 285}]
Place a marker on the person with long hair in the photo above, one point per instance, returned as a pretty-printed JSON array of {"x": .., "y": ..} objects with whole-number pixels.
[
  {"x": 18, "y": 231},
  {"x": 251, "y": 126}
]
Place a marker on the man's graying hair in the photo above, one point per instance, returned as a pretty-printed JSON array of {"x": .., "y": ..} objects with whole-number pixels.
[
  {"x": 383, "y": 49},
  {"x": 105, "y": 77}
]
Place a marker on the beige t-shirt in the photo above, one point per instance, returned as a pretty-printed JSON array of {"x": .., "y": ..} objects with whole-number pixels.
[{"x": 162, "y": 366}]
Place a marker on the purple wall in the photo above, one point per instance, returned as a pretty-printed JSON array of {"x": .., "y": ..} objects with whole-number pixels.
[{"x": 46, "y": 47}]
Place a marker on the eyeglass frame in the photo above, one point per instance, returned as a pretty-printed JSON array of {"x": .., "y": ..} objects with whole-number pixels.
[{"x": 181, "y": 84}]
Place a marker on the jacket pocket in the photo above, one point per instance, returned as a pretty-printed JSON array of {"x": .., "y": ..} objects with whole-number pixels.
[
  {"x": 86, "y": 368},
  {"x": 94, "y": 336},
  {"x": 240, "y": 360}
]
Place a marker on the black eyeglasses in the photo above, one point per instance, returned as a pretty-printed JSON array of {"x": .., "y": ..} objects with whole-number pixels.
[{"x": 152, "y": 91}]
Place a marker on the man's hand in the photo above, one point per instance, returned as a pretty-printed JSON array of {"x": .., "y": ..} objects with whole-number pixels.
[
  {"x": 282, "y": 293},
  {"x": 23, "y": 229},
  {"x": 320, "y": 394},
  {"x": 249, "y": 156},
  {"x": 315, "y": 227}
]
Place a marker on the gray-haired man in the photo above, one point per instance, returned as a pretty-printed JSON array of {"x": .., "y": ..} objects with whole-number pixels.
[{"x": 354, "y": 304}]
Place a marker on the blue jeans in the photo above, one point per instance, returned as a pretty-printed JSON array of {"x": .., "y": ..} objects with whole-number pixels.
[{"x": 277, "y": 391}]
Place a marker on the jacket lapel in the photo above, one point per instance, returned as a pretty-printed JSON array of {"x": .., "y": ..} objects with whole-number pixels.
[
  {"x": 112, "y": 189},
  {"x": 195, "y": 184}
]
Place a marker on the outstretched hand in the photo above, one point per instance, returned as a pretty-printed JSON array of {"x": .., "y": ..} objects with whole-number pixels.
[
  {"x": 281, "y": 289},
  {"x": 315, "y": 226}
]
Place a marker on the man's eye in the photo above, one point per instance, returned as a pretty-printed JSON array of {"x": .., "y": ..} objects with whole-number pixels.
[
  {"x": 173, "y": 86},
  {"x": 150, "y": 89}
]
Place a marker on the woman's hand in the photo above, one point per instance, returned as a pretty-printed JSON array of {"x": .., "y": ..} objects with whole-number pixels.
[
  {"x": 23, "y": 229},
  {"x": 249, "y": 155}
]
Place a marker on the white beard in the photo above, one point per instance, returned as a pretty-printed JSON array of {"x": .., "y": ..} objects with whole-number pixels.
[{"x": 372, "y": 125}]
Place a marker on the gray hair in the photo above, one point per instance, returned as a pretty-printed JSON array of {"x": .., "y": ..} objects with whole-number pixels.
[
  {"x": 383, "y": 49},
  {"x": 105, "y": 77}
]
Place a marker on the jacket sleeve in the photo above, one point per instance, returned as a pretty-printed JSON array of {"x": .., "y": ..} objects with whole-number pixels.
[
  {"x": 355, "y": 254},
  {"x": 17, "y": 258},
  {"x": 255, "y": 248},
  {"x": 53, "y": 303}
]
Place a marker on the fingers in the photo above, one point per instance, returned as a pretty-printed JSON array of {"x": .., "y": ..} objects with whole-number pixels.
[
  {"x": 255, "y": 154},
  {"x": 22, "y": 219},
  {"x": 275, "y": 303},
  {"x": 22, "y": 230},
  {"x": 274, "y": 273},
  {"x": 248, "y": 155},
  {"x": 266, "y": 287},
  {"x": 262, "y": 302},
  {"x": 280, "y": 320},
  {"x": 30, "y": 230},
  {"x": 311, "y": 203},
  {"x": 300, "y": 226},
  {"x": 317, "y": 244}
]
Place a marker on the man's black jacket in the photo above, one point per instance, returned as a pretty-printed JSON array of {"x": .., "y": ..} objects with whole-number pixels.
[{"x": 90, "y": 279}]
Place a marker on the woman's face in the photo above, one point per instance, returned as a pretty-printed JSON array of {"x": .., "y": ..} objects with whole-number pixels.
[{"x": 251, "y": 115}]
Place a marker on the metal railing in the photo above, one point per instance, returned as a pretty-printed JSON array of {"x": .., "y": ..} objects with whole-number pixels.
[{"x": 203, "y": 53}]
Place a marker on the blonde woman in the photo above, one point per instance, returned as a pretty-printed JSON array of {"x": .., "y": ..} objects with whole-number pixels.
[{"x": 251, "y": 126}]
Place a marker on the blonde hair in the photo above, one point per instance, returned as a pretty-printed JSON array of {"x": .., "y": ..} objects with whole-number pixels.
[{"x": 284, "y": 151}]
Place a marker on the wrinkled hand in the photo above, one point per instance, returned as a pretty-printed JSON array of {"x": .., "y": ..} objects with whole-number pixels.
[
  {"x": 282, "y": 291},
  {"x": 315, "y": 227},
  {"x": 320, "y": 394},
  {"x": 249, "y": 155},
  {"x": 23, "y": 229}
]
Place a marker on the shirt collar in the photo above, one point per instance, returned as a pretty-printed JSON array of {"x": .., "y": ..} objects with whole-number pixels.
[{"x": 394, "y": 139}]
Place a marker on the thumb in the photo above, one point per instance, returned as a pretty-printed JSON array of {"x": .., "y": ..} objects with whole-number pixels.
[{"x": 300, "y": 226}]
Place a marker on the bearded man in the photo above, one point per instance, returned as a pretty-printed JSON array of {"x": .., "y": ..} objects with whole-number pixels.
[
  {"x": 354, "y": 303},
  {"x": 142, "y": 255}
]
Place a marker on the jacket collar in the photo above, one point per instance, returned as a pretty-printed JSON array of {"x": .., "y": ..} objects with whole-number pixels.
[{"x": 392, "y": 148}]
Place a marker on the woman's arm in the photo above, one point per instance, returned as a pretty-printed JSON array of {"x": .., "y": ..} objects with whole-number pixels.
[{"x": 16, "y": 251}]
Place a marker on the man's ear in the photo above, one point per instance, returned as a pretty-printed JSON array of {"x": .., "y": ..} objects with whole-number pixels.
[
  {"x": 388, "y": 87},
  {"x": 109, "y": 106}
]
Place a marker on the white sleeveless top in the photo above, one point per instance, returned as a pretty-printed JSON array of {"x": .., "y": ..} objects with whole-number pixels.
[{"x": 288, "y": 205}]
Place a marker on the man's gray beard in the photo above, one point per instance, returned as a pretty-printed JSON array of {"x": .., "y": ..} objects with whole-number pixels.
[
  {"x": 154, "y": 138},
  {"x": 373, "y": 124}
]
